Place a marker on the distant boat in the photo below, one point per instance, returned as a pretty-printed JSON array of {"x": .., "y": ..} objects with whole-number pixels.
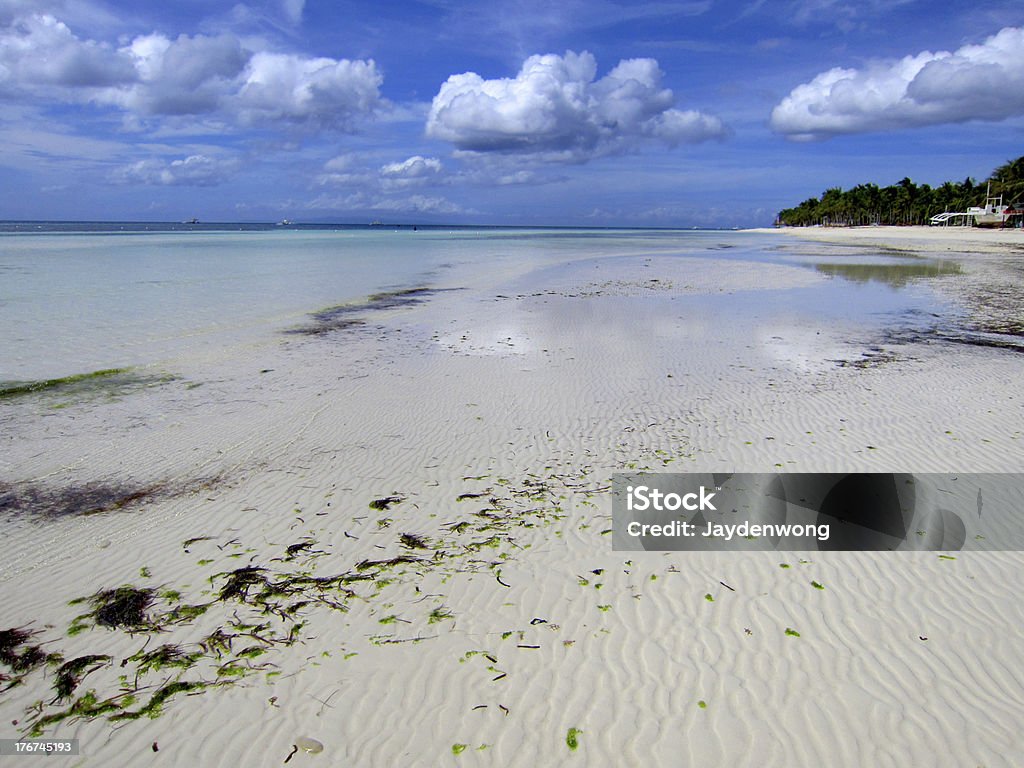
[
  {"x": 284, "y": 222},
  {"x": 993, "y": 213},
  {"x": 376, "y": 223},
  {"x": 193, "y": 220}
]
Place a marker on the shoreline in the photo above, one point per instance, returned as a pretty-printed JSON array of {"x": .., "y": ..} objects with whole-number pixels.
[{"x": 959, "y": 239}]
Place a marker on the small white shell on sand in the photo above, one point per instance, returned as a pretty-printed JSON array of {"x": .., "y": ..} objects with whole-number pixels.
[{"x": 312, "y": 746}]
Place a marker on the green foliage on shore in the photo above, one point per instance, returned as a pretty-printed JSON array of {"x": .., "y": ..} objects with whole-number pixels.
[{"x": 904, "y": 202}]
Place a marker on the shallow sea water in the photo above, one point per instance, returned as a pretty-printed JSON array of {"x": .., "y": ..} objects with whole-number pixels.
[{"x": 73, "y": 302}]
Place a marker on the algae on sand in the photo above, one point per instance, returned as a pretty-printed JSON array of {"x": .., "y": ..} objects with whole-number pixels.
[
  {"x": 120, "y": 608},
  {"x": 572, "y": 740},
  {"x": 13, "y": 389},
  {"x": 108, "y": 381},
  {"x": 44, "y": 501}
]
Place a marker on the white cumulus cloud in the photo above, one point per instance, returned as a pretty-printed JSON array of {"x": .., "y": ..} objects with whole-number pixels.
[
  {"x": 413, "y": 172},
  {"x": 185, "y": 76},
  {"x": 416, "y": 166},
  {"x": 222, "y": 77},
  {"x": 39, "y": 50},
  {"x": 555, "y": 106},
  {"x": 975, "y": 82},
  {"x": 323, "y": 92},
  {"x": 194, "y": 170}
]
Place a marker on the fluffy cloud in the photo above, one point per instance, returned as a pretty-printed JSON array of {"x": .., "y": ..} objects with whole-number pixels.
[
  {"x": 413, "y": 168},
  {"x": 195, "y": 171},
  {"x": 554, "y": 106},
  {"x": 186, "y": 76},
  {"x": 323, "y": 92},
  {"x": 38, "y": 50},
  {"x": 216, "y": 76},
  {"x": 976, "y": 82},
  {"x": 414, "y": 172}
]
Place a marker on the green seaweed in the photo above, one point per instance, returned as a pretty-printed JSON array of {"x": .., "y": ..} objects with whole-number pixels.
[
  {"x": 258, "y": 607},
  {"x": 183, "y": 614},
  {"x": 792, "y": 632},
  {"x": 343, "y": 316},
  {"x": 217, "y": 643},
  {"x": 458, "y": 749},
  {"x": 572, "y": 740},
  {"x": 124, "y": 607},
  {"x": 154, "y": 707},
  {"x": 164, "y": 657},
  {"x": 232, "y": 670},
  {"x": 439, "y": 614},
  {"x": 365, "y": 565},
  {"x": 299, "y": 547},
  {"x": 71, "y": 674},
  {"x": 240, "y": 581},
  {"x": 29, "y": 387},
  {"x": 20, "y": 656},
  {"x": 412, "y": 541}
]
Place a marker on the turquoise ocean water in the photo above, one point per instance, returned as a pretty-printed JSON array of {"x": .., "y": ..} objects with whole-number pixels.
[{"x": 79, "y": 298}]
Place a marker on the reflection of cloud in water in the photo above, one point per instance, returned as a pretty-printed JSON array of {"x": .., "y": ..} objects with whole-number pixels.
[
  {"x": 802, "y": 349},
  {"x": 622, "y": 329},
  {"x": 498, "y": 338}
]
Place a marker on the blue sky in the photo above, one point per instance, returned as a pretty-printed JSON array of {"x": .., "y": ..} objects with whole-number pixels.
[{"x": 582, "y": 112}]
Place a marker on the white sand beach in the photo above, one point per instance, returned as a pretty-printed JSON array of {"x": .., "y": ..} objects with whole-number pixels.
[
  {"x": 924, "y": 239},
  {"x": 397, "y": 534}
]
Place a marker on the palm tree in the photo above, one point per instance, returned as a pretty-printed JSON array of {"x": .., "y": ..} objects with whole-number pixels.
[{"x": 1008, "y": 180}]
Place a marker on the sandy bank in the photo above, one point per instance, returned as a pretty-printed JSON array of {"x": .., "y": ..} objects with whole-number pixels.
[{"x": 958, "y": 239}]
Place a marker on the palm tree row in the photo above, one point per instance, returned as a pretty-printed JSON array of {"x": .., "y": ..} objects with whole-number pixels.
[{"x": 904, "y": 202}]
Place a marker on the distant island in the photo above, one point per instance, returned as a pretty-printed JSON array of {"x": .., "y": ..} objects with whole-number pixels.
[{"x": 904, "y": 203}]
